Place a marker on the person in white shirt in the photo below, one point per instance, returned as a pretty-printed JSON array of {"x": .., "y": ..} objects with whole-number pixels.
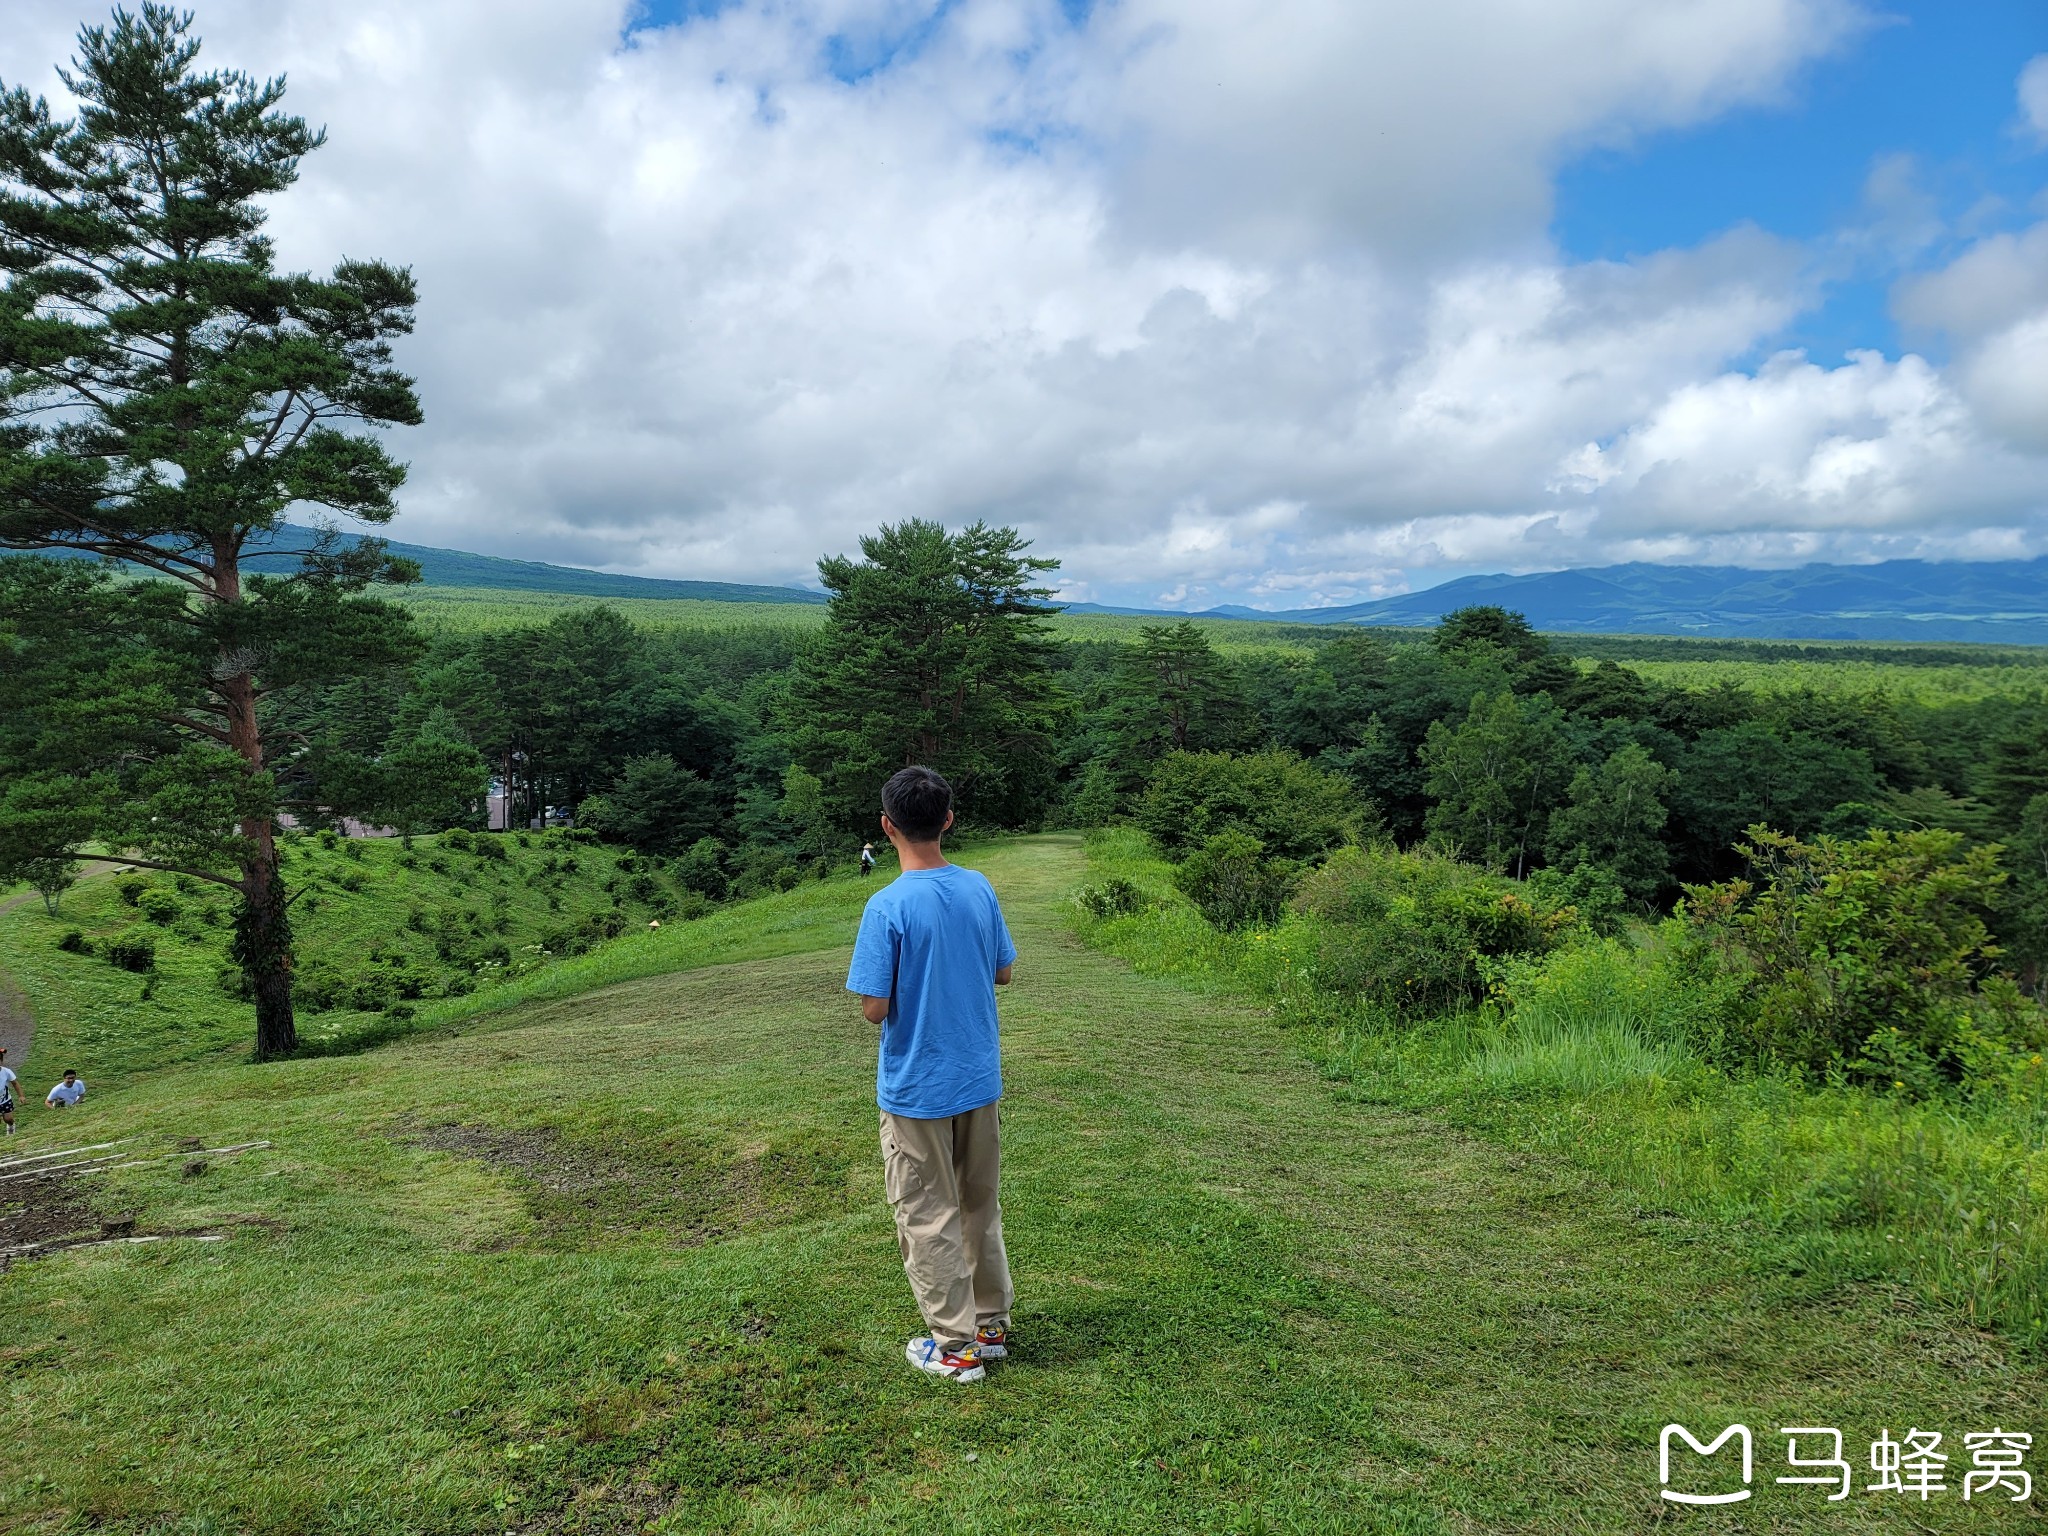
[
  {"x": 66, "y": 1093},
  {"x": 7, "y": 1082}
]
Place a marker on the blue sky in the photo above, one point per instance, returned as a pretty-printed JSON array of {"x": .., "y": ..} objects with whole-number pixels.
[{"x": 1931, "y": 80}]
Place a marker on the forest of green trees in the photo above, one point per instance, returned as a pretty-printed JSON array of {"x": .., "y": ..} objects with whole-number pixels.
[{"x": 747, "y": 759}]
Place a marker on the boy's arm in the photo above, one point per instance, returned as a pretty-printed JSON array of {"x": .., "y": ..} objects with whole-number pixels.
[{"x": 872, "y": 976}]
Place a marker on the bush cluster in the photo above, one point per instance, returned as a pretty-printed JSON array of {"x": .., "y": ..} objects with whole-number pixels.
[
  {"x": 1870, "y": 958},
  {"x": 1414, "y": 931}
]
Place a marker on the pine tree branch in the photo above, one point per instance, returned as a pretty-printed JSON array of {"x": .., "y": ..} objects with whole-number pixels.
[{"x": 169, "y": 869}]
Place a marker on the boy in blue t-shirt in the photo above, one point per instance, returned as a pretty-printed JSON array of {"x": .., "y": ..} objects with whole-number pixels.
[{"x": 932, "y": 950}]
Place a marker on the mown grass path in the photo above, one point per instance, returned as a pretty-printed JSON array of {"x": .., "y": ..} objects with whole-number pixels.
[{"x": 647, "y": 1281}]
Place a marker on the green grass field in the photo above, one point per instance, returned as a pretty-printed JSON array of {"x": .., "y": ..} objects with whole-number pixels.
[
  {"x": 618, "y": 1260},
  {"x": 480, "y": 609},
  {"x": 1852, "y": 676}
]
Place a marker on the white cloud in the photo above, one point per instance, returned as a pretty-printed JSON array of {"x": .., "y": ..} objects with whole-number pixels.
[
  {"x": 2034, "y": 94},
  {"x": 1411, "y": 127},
  {"x": 1992, "y": 303},
  {"x": 1215, "y": 298}
]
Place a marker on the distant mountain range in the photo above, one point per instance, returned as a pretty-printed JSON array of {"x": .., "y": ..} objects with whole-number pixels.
[
  {"x": 458, "y": 568},
  {"x": 2004, "y": 601},
  {"x": 2001, "y": 601}
]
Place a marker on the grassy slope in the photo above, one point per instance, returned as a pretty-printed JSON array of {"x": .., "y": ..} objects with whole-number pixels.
[
  {"x": 1245, "y": 1303},
  {"x": 96, "y": 1018}
]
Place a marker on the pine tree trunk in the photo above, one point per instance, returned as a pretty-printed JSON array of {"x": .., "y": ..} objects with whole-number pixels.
[
  {"x": 263, "y": 930},
  {"x": 263, "y": 946}
]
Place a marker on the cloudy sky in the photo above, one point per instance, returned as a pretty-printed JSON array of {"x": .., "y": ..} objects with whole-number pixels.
[{"x": 1288, "y": 302}]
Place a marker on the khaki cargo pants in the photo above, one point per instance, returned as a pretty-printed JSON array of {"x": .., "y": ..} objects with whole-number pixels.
[{"x": 941, "y": 1177}]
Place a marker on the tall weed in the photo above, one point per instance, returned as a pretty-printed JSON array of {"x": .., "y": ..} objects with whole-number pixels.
[{"x": 1581, "y": 1021}]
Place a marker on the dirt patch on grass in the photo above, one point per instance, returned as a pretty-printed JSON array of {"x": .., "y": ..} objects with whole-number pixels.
[
  {"x": 43, "y": 1208},
  {"x": 690, "y": 1189}
]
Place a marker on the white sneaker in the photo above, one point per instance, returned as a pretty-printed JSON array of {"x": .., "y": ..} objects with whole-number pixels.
[{"x": 925, "y": 1354}]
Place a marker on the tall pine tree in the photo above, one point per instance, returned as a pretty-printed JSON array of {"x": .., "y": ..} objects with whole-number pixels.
[
  {"x": 934, "y": 651},
  {"x": 166, "y": 394}
]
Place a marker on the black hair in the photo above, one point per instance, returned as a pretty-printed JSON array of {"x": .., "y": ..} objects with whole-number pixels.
[
  {"x": 68, "y": 1072},
  {"x": 917, "y": 800}
]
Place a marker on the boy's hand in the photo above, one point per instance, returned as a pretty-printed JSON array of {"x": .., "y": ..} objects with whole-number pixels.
[{"x": 1003, "y": 976}]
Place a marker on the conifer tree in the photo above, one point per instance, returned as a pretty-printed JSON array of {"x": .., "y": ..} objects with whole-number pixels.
[
  {"x": 934, "y": 651},
  {"x": 1175, "y": 694},
  {"x": 166, "y": 395}
]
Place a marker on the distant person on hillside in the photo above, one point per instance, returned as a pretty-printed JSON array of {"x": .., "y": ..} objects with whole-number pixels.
[
  {"x": 867, "y": 859},
  {"x": 933, "y": 948},
  {"x": 66, "y": 1093},
  {"x": 7, "y": 1082}
]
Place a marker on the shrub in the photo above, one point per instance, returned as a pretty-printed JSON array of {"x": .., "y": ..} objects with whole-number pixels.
[
  {"x": 485, "y": 846},
  {"x": 761, "y": 870},
  {"x": 1412, "y": 931},
  {"x": 316, "y": 989},
  {"x": 234, "y": 981},
  {"x": 1233, "y": 882},
  {"x": 1588, "y": 889},
  {"x": 1292, "y": 807},
  {"x": 134, "y": 951},
  {"x": 159, "y": 906},
  {"x": 1869, "y": 956},
  {"x": 351, "y": 880},
  {"x": 130, "y": 886},
  {"x": 459, "y": 840},
  {"x": 702, "y": 868},
  {"x": 1115, "y": 897},
  {"x": 371, "y": 992},
  {"x": 74, "y": 942},
  {"x": 329, "y": 839}
]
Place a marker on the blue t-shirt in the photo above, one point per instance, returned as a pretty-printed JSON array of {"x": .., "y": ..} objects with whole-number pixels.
[{"x": 931, "y": 941}]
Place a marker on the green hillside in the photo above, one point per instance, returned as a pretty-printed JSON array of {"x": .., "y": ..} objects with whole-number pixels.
[
  {"x": 621, "y": 1262},
  {"x": 385, "y": 931}
]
